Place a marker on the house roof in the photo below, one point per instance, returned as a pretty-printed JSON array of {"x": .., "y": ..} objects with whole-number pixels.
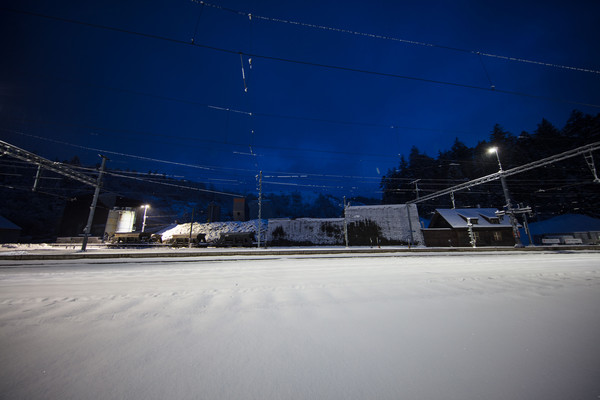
[
  {"x": 480, "y": 218},
  {"x": 6, "y": 224}
]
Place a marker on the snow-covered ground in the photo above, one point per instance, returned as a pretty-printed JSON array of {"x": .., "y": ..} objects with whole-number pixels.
[{"x": 477, "y": 326}]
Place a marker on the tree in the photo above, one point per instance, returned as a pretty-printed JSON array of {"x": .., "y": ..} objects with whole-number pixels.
[
  {"x": 501, "y": 138},
  {"x": 562, "y": 187}
]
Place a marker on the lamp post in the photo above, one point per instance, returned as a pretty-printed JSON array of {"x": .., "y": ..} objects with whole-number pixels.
[
  {"x": 495, "y": 150},
  {"x": 502, "y": 178},
  {"x": 145, "y": 207},
  {"x": 508, "y": 206}
]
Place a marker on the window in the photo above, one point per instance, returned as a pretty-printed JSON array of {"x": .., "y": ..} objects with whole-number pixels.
[{"x": 497, "y": 236}]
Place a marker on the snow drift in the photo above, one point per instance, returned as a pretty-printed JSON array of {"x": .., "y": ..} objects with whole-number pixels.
[{"x": 494, "y": 327}]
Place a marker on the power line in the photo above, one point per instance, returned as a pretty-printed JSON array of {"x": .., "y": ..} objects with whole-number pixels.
[
  {"x": 406, "y": 41},
  {"x": 205, "y": 140},
  {"x": 207, "y": 168},
  {"x": 391, "y": 75},
  {"x": 252, "y": 114},
  {"x": 172, "y": 184},
  {"x": 301, "y": 62}
]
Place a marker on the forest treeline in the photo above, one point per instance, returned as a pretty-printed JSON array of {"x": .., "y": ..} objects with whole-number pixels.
[{"x": 563, "y": 187}]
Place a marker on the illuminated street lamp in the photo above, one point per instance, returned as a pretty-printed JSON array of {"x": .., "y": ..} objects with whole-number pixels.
[
  {"x": 145, "y": 207},
  {"x": 495, "y": 150},
  {"x": 508, "y": 207}
]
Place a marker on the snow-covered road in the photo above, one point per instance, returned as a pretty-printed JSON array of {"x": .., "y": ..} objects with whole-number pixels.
[{"x": 477, "y": 326}]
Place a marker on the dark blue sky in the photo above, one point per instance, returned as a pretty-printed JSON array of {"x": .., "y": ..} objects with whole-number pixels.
[{"x": 142, "y": 91}]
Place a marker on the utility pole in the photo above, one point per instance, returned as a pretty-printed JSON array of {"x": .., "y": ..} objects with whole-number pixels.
[
  {"x": 88, "y": 227},
  {"x": 510, "y": 210},
  {"x": 345, "y": 223},
  {"x": 260, "y": 176},
  {"x": 416, "y": 182},
  {"x": 146, "y": 206},
  {"x": 191, "y": 229},
  {"x": 410, "y": 227},
  {"x": 508, "y": 207},
  {"x": 526, "y": 223},
  {"x": 473, "y": 241}
]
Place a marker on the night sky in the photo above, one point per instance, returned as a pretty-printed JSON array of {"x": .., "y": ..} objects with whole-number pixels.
[{"x": 332, "y": 92}]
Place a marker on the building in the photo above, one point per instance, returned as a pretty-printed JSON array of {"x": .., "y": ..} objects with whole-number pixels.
[
  {"x": 121, "y": 220},
  {"x": 393, "y": 224},
  {"x": 449, "y": 228},
  {"x": 77, "y": 211},
  {"x": 583, "y": 228},
  {"x": 305, "y": 232},
  {"x": 239, "y": 209},
  {"x": 389, "y": 224},
  {"x": 9, "y": 232}
]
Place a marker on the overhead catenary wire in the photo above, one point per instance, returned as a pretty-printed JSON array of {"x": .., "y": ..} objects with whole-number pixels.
[
  {"x": 276, "y": 174},
  {"x": 205, "y": 140},
  {"x": 174, "y": 185},
  {"x": 152, "y": 159},
  {"x": 303, "y": 62},
  {"x": 394, "y": 39},
  {"x": 208, "y": 168}
]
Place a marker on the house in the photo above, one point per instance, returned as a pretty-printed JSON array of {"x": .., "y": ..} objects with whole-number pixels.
[
  {"x": 449, "y": 228},
  {"x": 9, "y": 232}
]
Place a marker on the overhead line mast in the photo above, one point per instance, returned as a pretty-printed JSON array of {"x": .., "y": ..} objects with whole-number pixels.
[{"x": 59, "y": 168}]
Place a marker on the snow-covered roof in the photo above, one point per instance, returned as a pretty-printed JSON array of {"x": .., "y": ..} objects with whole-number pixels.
[
  {"x": 6, "y": 224},
  {"x": 480, "y": 217}
]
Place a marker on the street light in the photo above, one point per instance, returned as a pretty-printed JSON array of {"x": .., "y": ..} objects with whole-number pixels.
[
  {"x": 495, "y": 150},
  {"x": 508, "y": 206},
  {"x": 145, "y": 207}
]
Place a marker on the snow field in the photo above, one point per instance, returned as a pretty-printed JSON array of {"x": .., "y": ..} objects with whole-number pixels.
[{"x": 518, "y": 326}]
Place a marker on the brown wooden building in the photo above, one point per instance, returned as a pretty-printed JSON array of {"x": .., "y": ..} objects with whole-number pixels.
[{"x": 448, "y": 228}]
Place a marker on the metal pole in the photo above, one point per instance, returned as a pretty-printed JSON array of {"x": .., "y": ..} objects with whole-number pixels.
[
  {"x": 412, "y": 239},
  {"x": 471, "y": 233},
  {"x": 37, "y": 178},
  {"x": 416, "y": 182},
  {"x": 191, "y": 228},
  {"x": 510, "y": 211},
  {"x": 526, "y": 226},
  {"x": 144, "y": 220},
  {"x": 260, "y": 176},
  {"x": 88, "y": 227},
  {"x": 345, "y": 223}
]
